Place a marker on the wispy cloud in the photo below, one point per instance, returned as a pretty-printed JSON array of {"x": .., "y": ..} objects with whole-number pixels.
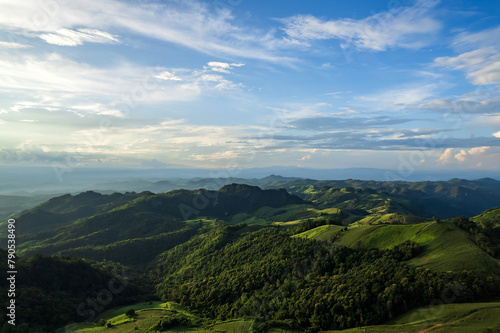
[
  {"x": 401, "y": 97},
  {"x": 482, "y": 66},
  {"x": 222, "y": 67},
  {"x": 67, "y": 37},
  {"x": 321, "y": 123},
  {"x": 398, "y": 27},
  {"x": 467, "y": 40},
  {"x": 12, "y": 45},
  {"x": 337, "y": 93},
  {"x": 480, "y": 101},
  {"x": 55, "y": 81},
  {"x": 480, "y": 57},
  {"x": 189, "y": 23}
]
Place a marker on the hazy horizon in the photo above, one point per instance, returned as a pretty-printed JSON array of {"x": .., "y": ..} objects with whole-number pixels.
[{"x": 27, "y": 181}]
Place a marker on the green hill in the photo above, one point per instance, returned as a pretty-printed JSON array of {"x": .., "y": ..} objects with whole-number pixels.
[
  {"x": 440, "y": 199},
  {"x": 445, "y": 247},
  {"x": 489, "y": 218},
  {"x": 147, "y": 224},
  {"x": 65, "y": 209},
  {"x": 356, "y": 203},
  {"x": 323, "y": 232}
]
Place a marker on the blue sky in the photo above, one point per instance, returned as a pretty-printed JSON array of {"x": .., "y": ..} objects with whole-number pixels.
[{"x": 240, "y": 83}]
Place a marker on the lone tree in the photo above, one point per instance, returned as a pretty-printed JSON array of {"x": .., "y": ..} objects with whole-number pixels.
[{"x": 130, "y": 313}]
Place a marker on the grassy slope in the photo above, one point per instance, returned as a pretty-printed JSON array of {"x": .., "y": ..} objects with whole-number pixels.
[
  {"x": 323, "y": 232},
  {"x": 389, "y": 218},
  {"x": 445, "y": 246},
  {"x": 355, "y": 235},
  {"x": 290, "y": 213},
  {"x": 490, "y": 217},
  {"x": 447, "y": 318}
]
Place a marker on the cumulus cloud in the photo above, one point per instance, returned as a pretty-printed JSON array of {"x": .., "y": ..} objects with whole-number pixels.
[
  {"x": 462, "y": 155},
  {"x": 478, "y": 150},
  {"x": 497, "y": 134},
  {"x": 445, "y": 156},
  {"x": 397, "y": 27}
]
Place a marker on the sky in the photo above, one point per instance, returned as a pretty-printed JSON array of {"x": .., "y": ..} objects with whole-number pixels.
[{"x": 249, "y": 83}]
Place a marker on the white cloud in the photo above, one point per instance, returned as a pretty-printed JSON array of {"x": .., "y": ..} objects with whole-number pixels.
[
  {"x": 55, "y": 81},
  {"x": 191, "y": 24},
  {"x": 497, "y": 134},
  {"x": 221, "y": 67},
  {"x": 401, "y": 97},
  {"x": 478, "y": 150},
  {"x": 337, "y": 93},
  {"x": 211, "y": 77},
  {"x": 484, "y": 100},
  {"x": 482, "y": 39},
  {"x": 11, "y": 45},
  {"x": 165, "y": 75},
  {"x": 215, "y": 64},
  {"x": 99, "y": 109},
  {"x": 445, "y": 156},
  {"x": 479, "y": 56},
  {"x": 397, "y": 27},
  {"x": 482, "y": 66},
  {"x": 349, "y": 110},
  {"x": 67, "y": 37},
  {"x": 461, "y": 156}
]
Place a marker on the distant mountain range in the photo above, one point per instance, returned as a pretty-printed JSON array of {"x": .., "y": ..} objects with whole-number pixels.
[
  {"x": 28, "y": 181},
  {"x": 439, "y": 198}
]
